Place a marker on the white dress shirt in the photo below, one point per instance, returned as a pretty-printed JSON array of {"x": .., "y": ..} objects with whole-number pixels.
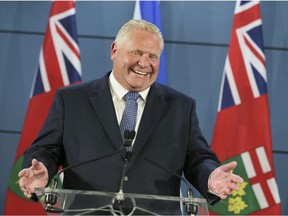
[{"x": 118, "y": 93}]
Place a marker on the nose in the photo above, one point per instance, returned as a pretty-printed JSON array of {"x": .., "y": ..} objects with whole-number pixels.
[{"x": 144, "y": 61}]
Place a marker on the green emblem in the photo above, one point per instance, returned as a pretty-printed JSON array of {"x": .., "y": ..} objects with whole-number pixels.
[
  {"x": 14, "y": 179},
  {"x": 241, "y": 202}
]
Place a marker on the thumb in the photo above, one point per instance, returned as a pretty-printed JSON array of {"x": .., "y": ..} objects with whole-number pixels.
[
  {"x": 230, "y": 166},
  {"x": 36, "y": 164}
]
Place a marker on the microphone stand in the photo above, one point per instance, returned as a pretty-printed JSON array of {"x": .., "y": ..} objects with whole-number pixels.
[
  {"x": 120, "y": 195},
  {"x": 51, "y": 198},
  {"x": 191, "y": 208},
  {"x": 129, "y": 136}
]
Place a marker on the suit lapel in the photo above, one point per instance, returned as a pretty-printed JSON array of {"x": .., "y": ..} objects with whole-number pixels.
[
  {"x": 103, "y": 105},
  {"x": 154, "y": 107}
]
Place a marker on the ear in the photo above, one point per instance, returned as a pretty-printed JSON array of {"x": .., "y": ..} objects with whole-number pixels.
[{"x": 113, "y": 50}]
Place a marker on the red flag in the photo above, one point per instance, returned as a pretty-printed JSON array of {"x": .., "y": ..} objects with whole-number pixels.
[
  {"x": 59, "y": 65},
  {"x": 242, "y": 129}
]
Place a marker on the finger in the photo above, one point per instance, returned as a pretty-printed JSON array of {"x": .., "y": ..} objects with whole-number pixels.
[
  {"x": 39, "y": 168},
  {"x": 30, "y": 190},
  {"x": 227, "y": 191},
  {"x": 40, "y": 171},
  {"x": 236, "y": 178},
  {"x": 229, "y": 167},
  {"x": 35, "y": 163},
  {"x": 21, "y": 183},
  {"x": 22, "y": 173},
  {"x": 27, "y": 194},
  {"x": 233, "y": 186},
  {"x": 30, "y": 174},
  {"x": 25, "y": 191},
  {"x": 223, "y": 196},
  {"x": 221, "y": 190}
]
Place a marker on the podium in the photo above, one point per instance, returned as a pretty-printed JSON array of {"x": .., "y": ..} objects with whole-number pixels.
[{"x": 81, "y": 202}]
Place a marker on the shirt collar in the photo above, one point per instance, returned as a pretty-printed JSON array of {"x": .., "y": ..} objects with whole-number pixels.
[{"x": 119, "y": 91}]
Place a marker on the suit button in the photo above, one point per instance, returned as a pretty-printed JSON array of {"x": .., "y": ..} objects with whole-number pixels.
[{"x": 126, "y": 178}]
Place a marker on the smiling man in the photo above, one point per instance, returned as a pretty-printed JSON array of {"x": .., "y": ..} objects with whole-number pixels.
[
  {"x": 84, "y": 120},
  {"x": 136, "y": 56}
]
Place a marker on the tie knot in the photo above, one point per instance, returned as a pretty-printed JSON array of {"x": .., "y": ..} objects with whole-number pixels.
[{"x": 132, "y": 96}]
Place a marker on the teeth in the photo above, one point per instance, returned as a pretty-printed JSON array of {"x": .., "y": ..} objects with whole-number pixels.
[{"x": 140, "y": 72}]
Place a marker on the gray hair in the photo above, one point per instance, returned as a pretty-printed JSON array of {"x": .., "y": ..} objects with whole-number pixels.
[{"x": 139, "y": 25}]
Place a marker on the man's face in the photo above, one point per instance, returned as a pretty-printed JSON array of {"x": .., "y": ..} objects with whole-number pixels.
[{"x": 136, "y": 60}]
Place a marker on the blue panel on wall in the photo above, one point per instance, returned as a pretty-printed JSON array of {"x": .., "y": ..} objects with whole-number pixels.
[
  {"x": 277, "y": 65},
  {"x": 19, "y": 58},
  {"x": 95, "y": 57},
  {"x": 198, "y": 21},
  {"x": 24, "y": 16},
  {"x": 279, "y": 160},
  {"x": 8, "y": 148},
  {"x": 274, "y": 18},
  {"x": 197, "y": 71},
  {"x": 92, "y": 14}
]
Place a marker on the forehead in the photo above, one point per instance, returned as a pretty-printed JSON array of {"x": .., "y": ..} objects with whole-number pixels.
[{"x": 140, "y": 39}]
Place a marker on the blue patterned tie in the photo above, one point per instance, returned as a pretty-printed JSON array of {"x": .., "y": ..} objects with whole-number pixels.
[{"x": 128, "y": 120}]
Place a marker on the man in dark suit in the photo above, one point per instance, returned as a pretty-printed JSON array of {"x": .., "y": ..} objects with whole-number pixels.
[{"x": 84, "y": 119}]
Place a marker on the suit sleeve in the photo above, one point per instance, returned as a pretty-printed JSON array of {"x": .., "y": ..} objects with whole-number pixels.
[
  {"x": 47, "y": 147},
  {"x": 200, "y": 159}
]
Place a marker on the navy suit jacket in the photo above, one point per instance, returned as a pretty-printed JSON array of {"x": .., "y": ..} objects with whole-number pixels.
[{"x": 82, "y": 125}]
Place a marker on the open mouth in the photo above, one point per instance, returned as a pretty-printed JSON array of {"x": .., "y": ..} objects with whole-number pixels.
[{"x": 139, "y": 72}]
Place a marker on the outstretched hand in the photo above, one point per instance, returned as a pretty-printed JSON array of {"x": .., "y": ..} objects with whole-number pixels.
[
  {"x": 33, "y": 177},
  {"x": 222, "y": 181}
]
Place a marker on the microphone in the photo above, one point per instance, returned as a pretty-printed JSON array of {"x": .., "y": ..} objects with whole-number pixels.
[
  {"x": 128, "y": 136},
  {"x": 191, "y": 207},
  {"x": 51, "y": 198}
]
